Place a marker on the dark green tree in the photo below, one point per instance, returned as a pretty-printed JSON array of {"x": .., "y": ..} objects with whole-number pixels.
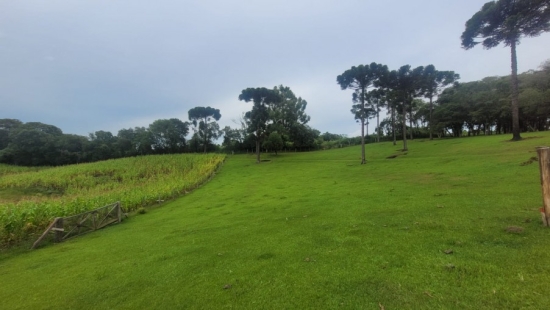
[
  {"x": 405, "y": 85},
  {"x": 359, "y": 79},
  {"x": 32, "y": 144},
  {"x": 168, "y": 135},
  {"x": 289, "y": 113},
  {"x": 259, "y": 117},
  {"x": 506, "y": 21},
  {"x": 274, "y": 142},
  {"x": 433, "y": 84},
  {"x": 204, "y": 120},
  {"x": 7, "y": 125},
  {"x": 102, "y": 146}
]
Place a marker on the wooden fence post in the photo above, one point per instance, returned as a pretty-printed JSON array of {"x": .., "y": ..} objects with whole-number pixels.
[
  {"x": 35, "y": 244},
  {"x": 544, "y": 165},
  {"x": 58, "y": 228},
  {"x": 119, "y": 212}
]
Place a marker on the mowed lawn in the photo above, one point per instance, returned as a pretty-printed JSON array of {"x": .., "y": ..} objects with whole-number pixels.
[{"x": 423, "y": 230}]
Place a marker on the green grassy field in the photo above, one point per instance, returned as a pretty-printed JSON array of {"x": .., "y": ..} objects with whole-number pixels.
[{"x": 317, "y": 231}]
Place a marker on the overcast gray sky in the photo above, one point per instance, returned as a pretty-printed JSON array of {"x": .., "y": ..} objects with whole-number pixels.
[{"x": 91, "y": 65}]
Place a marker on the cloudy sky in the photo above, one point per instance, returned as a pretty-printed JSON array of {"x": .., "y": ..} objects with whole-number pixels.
[{"x": 88, "y": 65}]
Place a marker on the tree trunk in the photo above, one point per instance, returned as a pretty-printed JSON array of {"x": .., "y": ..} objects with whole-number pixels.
[
  {"x": 257, "y": 147},
  {"x": 405, "y": 127},
  {"x": 205, "y": 135},
  {"x": 431, "y": 109},
  {"x": 515, "y": 94},
  {"x": 377, "y": 125},
  {"x": 411, "y": 120},
  {"x": 363, "y": 161},
  {"x": 393, "y": 124}
]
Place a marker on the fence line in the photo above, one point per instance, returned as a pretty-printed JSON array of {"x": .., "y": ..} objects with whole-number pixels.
[{"x": 64, "y": 228}]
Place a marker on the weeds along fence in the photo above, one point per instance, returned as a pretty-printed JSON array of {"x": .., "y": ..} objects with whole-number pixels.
[{"x": 63, "y": 228}]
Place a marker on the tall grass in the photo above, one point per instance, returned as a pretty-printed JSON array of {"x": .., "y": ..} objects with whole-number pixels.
[{"x": 36, "y": 197}]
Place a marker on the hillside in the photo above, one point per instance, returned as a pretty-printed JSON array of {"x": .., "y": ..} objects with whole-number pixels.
[{"x": 421, "y": 230}]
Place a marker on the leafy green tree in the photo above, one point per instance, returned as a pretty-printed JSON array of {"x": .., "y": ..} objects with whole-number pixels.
[
  {"x": 168, "y": 135},
  {"x": 259, "y": 116},
  {"x": 204, "y": 120},
  {"x": 405, "y": 85},
  {"x": 376, "y": 99},
  {"x": 304, "y": 137},
  {"x": 7, "y": 125},
  {"x": 506, "y": 21},
  {"x": 232, "y": 138},
  {"x": 274, "y": 142},
  {"x": 359, "y": 79},
  {"x": 126, "y": 142},
  {"x": 32, "y": 144},
  {"x": 433, "y": 84},
  {"x": 70, "y": 149},
  {"x": 102, "y": 146},
  {"x": 290, "y": 112}
]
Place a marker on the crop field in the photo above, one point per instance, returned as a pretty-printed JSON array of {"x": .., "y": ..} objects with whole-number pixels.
[
  {"x": 30, "y": 198},
  {"x": 451, "y": 224}
]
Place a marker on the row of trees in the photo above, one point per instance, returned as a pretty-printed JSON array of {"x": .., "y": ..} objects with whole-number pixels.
[
  {"x": 483, "y": 107},
  {"x": 38, "y": 144},
  {"x": 376, "y": 87},
  {"x": 475, "y": 108},
  {"x": 277, "y": 120},
  {"x": 506, "y": 21}
]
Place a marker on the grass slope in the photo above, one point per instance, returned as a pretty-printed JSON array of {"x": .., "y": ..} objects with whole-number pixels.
[{"x": 317, "y": 230}]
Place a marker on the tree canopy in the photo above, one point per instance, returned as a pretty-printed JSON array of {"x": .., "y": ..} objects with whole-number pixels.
[
  {"x": 259, "y": 116},
  {"x": 359, "y": 79},
  {"x": 204, "y": 120},
  {"x": 506, "y": 21}
]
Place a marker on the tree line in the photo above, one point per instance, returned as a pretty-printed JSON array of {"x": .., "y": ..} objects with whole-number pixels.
[
  {"x": 502, "y": 21},
  {"x": 38, "y": 144},
  {"x": 277, "y": 120}
]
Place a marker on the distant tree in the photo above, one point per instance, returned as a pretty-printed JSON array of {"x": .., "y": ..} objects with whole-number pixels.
[
  {"x": 290, "y": 112},
  {"x": 194, "y": 144},
  {"x": 70, "y": 149},
  {"x": 32, "y": 144},
  {"x": 232, "y": 138},
  {"x": 433, "y": 84},
  {"x": 102, "y": 146},
  {"x": 377, "y": 100},
  {"x": 204, "y": 120},
  {"x": 259, "y": 117},
  {"x": 7, "y": 125},
  {"x": 506, "y": 21},
  {"x": 126, "y": 142},
  {"x": 304, "y": 137},
  {"x": 405, "y": 85},
  {"x": 327, "y": 136},
  {"x": 168, "y": 135},
  {"x": 274, "y": 142},
  {"x": 359, "y": 79}
]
